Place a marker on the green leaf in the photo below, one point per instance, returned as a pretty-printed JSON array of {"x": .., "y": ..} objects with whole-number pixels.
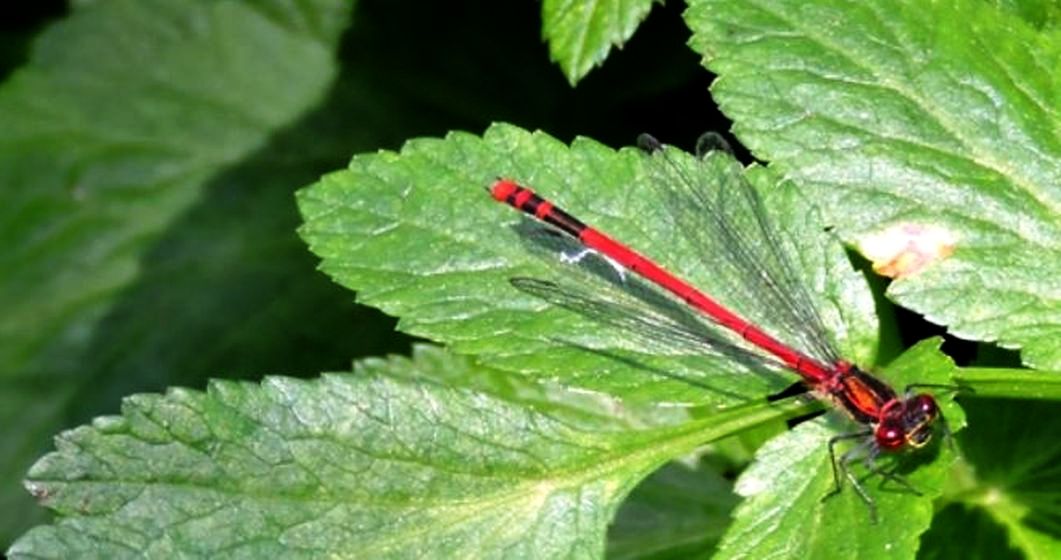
[
  {"x": 793, "y": 473},
  {"x": 401, "y": 458},
  {"x": 1011, "y": 383},
  {"x": 958, "y": 532},
  {"x": 415, "y": 235},
  {"x": 680, "y": 511},
  {"x": 125, "y": 115},
  {"x": 1038, "y": 13},
  {"x": 937, "y": 115},
  {"x": 580, "y": 33},
  {"x": 1011, "y": 477}
]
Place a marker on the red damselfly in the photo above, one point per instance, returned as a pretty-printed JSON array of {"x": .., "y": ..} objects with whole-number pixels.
[{"x": 733, "y": 217}]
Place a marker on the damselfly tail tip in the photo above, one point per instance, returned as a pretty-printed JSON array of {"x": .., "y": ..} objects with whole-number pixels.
[{"x": 502, "y": 188}]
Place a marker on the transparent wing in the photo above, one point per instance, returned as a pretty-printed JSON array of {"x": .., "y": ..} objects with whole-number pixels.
[
  {"x": 646, "y": 325},
  {"x": 719, "y": 212},
  {"x": 599, "y": 290}
]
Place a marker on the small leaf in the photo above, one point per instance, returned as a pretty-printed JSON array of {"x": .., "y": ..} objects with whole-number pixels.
[
  {"x": 580, "y": 33},
  {"x": 910, "y": 113},
  {"x": 384, "y": 462}
]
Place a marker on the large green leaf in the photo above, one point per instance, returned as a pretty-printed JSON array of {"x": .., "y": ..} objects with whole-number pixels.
[
  {"x": 581, "y": 33},
  {"x": 939, "y": 115},
  {"x": 401, "y": 458},
  {"x": 112, "y": 180},
  {"x": 416, "y": 235},
  {"x": 125, "y": 115}
]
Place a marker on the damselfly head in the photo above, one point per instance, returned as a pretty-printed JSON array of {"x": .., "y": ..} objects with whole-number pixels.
[{"x": 910, "y": 423}]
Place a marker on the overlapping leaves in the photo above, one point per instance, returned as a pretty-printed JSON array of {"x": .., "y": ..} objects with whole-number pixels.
[
  {"x": 122, "y": 116},
  {"x": 401, "y": 458},
  {"x": 941, "y": 114}
]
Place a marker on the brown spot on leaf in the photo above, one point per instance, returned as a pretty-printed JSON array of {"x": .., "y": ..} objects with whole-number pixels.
[{"x": 907, "y": 248}]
